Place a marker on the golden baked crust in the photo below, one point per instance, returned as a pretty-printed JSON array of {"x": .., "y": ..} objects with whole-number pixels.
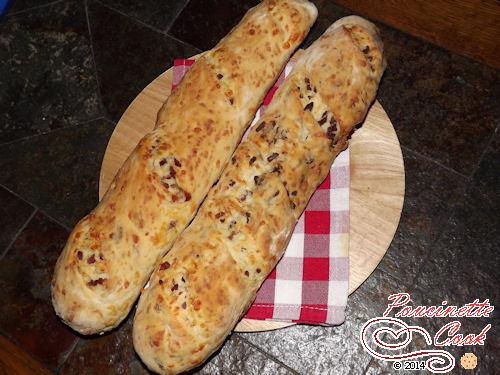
[
  {"x": 203, "y": 286},
  {"x": 111, "y": 252}
]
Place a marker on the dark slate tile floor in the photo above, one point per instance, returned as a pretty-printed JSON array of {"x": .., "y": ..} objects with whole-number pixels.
[
  {"x": 48, "y": 81},
  {"x": 68, "y": 70}
]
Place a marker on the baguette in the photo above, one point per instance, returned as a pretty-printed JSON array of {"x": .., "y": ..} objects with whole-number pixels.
[
  {"x": 111, "y": 253},
  {"x": 204, "y": 285}
]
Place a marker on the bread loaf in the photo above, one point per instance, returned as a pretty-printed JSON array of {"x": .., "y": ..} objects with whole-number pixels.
[
  {"x": 204, "y": 285},
  {"x": 111, "y": 253}
]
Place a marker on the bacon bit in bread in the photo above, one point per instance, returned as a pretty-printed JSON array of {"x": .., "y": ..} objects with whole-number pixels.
[
  {"x": 331, "y": 132},
  {"x": 252, "y": 160},
  {"x": 247, "y": 273},
  {"x": 309, "y": 107},
  {"x": 258, "y": 180},
  {"x": 187, "y": 196},
  {"x": 79, "y": 255},
  {"x": 260, "y": 127},
  {"x": 248, "y": 215},
  {"x": 231, "y": 183},
  {"x": 99, "y": 281},
  {"x": 172, "y": 224},
  {"x": 164, "y": 266},
  {"x": 323, "y": 118},
  {"x": 308, "y": 83},
  {"x": 273, "y": 156},
  {"x": 184, "y": 305},
  {"x": 177, "y": 163},
  {"x": 91, "y": 259},
  {"x": 175, "y": 287},
  {"x": 258, "y": 270},
  {"x": 219, "y": 76},
  {"x": 160, "y": 282}
]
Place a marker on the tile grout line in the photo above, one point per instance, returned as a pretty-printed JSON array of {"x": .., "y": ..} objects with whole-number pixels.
[
  {"x": 57, "y": 221},
  {"x": 68, "y": 354},
  {"x": 432, "y": 160},
  {"x": 82, "y": 123},
  {"x": 142, "y": 23},
  {"x": 174, "y": 18},
  {"x": 91, "y": 41},
  {"x": 266, "y": 354},
  {"x": 487, "y": 146},
  {"x": 183, "y": 42},
  {"x": 19, "y": 231},
  {"x": 20, "y": 12},
  {"x": 122, "y": 13},
  {"x": 38, "y": 209}
]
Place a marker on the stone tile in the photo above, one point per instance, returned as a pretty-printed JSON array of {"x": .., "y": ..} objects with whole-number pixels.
[
  {"x": 26, "y": 314},
  {"x": 202, "y": 23},
  {"x": 239, "y": 357},
  {"x": 464, "y": 263},
  {"x": 431, "y": 194},
  {"x": 14, "y": 213},
  {"x": 58, "y": 172},
  {"x": 331, "y": 350},
  {"x": 128, "y": 56},
  {"x": 49, "y": 80},
  {"x": 112, "y": 353},
  {"x": 315, "y": 349},
  {"x": 442, "y": 105},
  {"x": 159, "y": 14}
]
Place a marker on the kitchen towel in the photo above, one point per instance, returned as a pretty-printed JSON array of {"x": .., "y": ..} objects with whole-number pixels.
[{"x": 310, "y": 283}]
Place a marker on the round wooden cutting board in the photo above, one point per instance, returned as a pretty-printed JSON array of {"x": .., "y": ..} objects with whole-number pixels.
[{"x": 377, "y": 181}]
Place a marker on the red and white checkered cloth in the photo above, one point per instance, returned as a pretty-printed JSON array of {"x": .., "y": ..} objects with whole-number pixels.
[{"x": 310, "y": 283}]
